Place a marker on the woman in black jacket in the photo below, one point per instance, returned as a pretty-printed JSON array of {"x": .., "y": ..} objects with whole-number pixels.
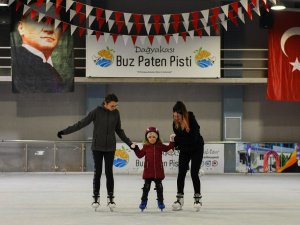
[
  {"x": 191, "y": 145},
  {"x": 107, "y": 122}
]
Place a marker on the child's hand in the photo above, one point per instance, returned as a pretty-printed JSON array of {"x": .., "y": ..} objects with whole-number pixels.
[
  {"x": 172, "y": 136},
  {"x": 133, "y": 146}
]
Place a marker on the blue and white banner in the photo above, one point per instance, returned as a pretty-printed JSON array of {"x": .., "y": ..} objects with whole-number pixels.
[{"x": 193, "y": 58}]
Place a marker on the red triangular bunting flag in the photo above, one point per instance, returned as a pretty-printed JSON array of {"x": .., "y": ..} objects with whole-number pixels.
[
  {"x": 199, "y": 32},
  {"x": 183, "y": 35},
  {"x": 115, "y": 37},
  {"x": 78, "y": 7},
  {"x": 232, "y": 18},
  {"x": 235, "y": 6},
  {"x": 81, "y": 18},
  {"x": 157, "y": 27},
  {"x": 254, "y": 2},
  {"x": 58, "y": 3},
  {"x": 98, "y": 34},
  {"x": 33, "y": 14},
  {"x": 151, "y": 37},
  {"x": 136, "y": 18},
  {"x": 118, "y": 16},
  {"x": 195, "y": 24},
  {"x": 216, "y": 11},
  {"x": 249, "y": 11},
  {"x": 65, "y": 26},
  {"x": 39, "y": 3},
  {"x": 133, "y": 38},
  {"x": 99, "y": 13},
  {"x": 216, "y": 27},
  {"x": 156, "y": 18},
  {"x": 195, "y": 15},
  {"x": 175, "y": 23},
  {"x": 48, "y": 20},
  {"x": 58, "y": 9},
  {"x": 167, "y": 37},
  {"x": 119, "y": 25},
  {"x": 81, "y": 31},
  {"x": 175, "y": 26},
  {"x": 138, "y": 27},
  {"x": 176, "y": 17},
  {"x": 213, "y": 20},
  {"x": 101, "y": 21},
  {"x": 18, "y": 4}
]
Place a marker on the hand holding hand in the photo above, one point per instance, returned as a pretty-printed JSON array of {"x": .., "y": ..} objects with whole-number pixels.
[
  {"x": 59, "y": 134},
  {"x": 132, "y": 146},
  {"x": 172, "y": 136}
]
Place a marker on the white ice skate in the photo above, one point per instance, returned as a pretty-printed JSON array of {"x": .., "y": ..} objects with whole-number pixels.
[
  {"x": 95, "y": 203},
  {"x": 178, "y": 204},
  {"x": 197, "y": 202},
  {"x": 110, "y": 203}
]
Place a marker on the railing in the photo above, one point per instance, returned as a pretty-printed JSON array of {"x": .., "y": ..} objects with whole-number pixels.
[
  {"x": 68, "y": 156},
  {"x": 250, "y": 63},
  {"x": 42, "y": 155}
]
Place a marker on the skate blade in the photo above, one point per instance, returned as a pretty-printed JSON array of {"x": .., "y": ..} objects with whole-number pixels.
[
  {"x": 111, "y": 207},
  {"x": 177, "y": 209}
]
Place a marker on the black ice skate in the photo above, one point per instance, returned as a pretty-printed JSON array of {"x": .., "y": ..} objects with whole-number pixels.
[
  {"x": 110, "y": 202},
  {"x": 95, "y": 203}
]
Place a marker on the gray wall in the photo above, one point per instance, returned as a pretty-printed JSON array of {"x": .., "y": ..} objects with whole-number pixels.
[{"x": 143, "y": 105}]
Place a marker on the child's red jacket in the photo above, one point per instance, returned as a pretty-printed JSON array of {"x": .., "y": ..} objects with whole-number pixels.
[{"x": 153, "y": 165}]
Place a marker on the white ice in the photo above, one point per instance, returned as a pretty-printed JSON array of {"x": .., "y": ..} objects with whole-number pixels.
[{"x": 229, "y": 199}]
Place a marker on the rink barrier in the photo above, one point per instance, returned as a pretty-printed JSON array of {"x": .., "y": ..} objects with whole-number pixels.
[{"x": 71, "y": 156}]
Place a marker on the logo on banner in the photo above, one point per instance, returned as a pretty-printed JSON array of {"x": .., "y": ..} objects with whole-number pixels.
[
  {"x": 204, "y": 58},
  {"x": 121, "y": 158},
  {"x": 105, "y": 57}
]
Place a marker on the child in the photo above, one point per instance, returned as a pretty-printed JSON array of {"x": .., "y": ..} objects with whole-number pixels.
[{"x": 153, "y": 165}]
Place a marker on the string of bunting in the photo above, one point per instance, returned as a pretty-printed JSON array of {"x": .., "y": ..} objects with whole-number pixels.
[{"x": 95, "y": 21}]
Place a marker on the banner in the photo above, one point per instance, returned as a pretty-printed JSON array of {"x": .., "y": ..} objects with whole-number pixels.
[
  {"x": 267, "y": 157},
  {"x": 284, "y": 55},
  {"x": 42, "y": 56},
  {"x": 126, "y": 162},
  {"x": 193, "y": 58}
]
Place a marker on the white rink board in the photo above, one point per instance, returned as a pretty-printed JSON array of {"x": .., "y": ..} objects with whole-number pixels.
[{"x": 213, "y": 160}]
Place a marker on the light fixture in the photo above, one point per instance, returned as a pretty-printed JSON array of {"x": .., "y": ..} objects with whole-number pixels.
[
  {"x": 3, "y": 3},
  {"x": 278, "y": 5}
]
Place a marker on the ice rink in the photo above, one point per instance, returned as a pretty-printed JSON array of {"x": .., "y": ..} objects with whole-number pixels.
[{"x": 229, "y": 199}]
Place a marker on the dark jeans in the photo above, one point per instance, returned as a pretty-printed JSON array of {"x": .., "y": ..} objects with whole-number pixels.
[
  {"x": 108, "y": 159},
  {"x": 196, "y": 160},
  {"x": 158, "y": 188}
]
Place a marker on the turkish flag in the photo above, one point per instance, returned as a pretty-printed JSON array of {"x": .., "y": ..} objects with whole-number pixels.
[{"x": 284, "y": 57}]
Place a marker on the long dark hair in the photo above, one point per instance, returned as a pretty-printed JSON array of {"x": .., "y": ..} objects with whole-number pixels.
[{"x": 180, "y": 108}]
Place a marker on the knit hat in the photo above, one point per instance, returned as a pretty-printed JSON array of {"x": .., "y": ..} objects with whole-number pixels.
[{"x": 152, "y": 131}]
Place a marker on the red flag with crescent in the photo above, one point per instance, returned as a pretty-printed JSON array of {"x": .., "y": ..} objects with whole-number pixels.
[{"x": 284, "y": 57}]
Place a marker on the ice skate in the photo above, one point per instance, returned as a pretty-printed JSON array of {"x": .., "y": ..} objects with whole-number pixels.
[
  {"x": 197, "y": 202},
  {"x": 110, "y": 202},
  {"x": 178, "y": 204},
  {"x": 95, "y": 203},
  {"x": 161, "y": 205},
  {"x": 143, "y": 205}
]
